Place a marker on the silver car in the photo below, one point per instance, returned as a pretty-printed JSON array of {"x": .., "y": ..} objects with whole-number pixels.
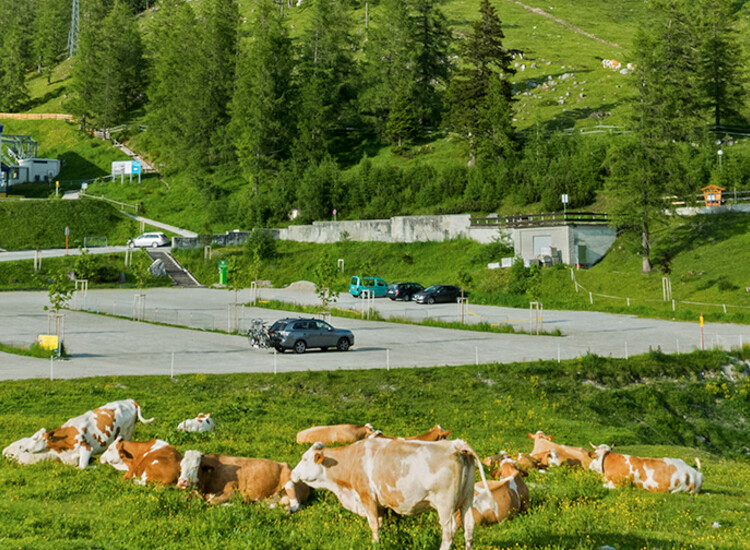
[
  {"x": 299, "y": 334},
  {"x": 149, "y": 239}
]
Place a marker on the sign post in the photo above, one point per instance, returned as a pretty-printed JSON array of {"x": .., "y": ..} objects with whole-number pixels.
[
  {"x": 67, "y": 234},
  {"x": 702, "y": 340},
  {"x": 57, "y": 188},
  {"x": 564, "y": 199}
]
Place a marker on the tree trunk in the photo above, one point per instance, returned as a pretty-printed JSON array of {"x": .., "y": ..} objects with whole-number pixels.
[{"x": 646, "y": 250}]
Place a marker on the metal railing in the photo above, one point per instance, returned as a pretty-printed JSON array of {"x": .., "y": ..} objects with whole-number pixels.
[{"x": 544, "y": 219}]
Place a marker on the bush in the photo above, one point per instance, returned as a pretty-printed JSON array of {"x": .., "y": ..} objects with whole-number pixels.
[{"x": 260, "y": 242}]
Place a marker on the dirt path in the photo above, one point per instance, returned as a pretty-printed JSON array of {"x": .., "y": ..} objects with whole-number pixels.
[{"x": 564, "y": 23}]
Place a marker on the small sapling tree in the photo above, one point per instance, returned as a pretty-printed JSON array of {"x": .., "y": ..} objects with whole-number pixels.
[{"x": 326, "y": 273}]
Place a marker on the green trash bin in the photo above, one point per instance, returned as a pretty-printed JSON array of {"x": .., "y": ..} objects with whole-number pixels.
[{"x": 223, "y": 272}]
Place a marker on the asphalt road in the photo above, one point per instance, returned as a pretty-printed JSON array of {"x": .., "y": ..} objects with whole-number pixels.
[{"x": 104, "y": 345}]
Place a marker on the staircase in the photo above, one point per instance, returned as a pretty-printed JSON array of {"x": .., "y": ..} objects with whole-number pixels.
[{"x": 179, "y": 275}]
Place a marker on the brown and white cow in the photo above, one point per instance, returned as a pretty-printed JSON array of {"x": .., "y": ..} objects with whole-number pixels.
[
  {"x": 408, "y": 477},
  {"x": 201, "y": 423},
  {"x": 566, "y": 454},
  {"x": 339, "y": 433},
  {"x": 160, "y": 466},
  {"x": 122, "y": 454},
  {"x": 658, "y": 475},
  {"x": 523, "y": 461},
  {"x": 218, "y": 477},
  {"x": 436, "y": 433},
  {"x": 75, "y": 441}
]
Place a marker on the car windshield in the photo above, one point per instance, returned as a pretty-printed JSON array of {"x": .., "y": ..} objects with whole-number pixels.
[
  {"x": 431, "y": 288},
  {"x": 278, "y": 325}
]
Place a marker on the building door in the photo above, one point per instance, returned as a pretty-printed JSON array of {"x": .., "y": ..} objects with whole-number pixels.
[{"x": 541, "y": 241}]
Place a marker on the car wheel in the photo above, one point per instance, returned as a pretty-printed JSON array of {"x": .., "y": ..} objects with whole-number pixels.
[
  {"x": 343, "y": 344},
  {"x": 280, "y": 349},
  {"x": 300, "y": 346},
  {"x": 430, "y": 300},
  {"x": 407, "y": 297},
  {"x": 154, "y": 245}
]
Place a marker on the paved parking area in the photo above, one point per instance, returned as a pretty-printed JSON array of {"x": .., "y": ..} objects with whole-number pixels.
[{"x": 104, "y": 345}]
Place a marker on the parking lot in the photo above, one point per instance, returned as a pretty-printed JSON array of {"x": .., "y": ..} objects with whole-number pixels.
[{"x": 106, "y": 345}]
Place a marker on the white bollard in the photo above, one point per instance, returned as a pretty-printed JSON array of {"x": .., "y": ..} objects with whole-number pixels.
[
  {"x": 558, "y": 353},
  {"x": 626, "y": 350},
  {"x": 476, "y": 355},
  {"x": 274, "y": 360},
  {"x": 171, "y": 368},
  {"x": 591, "y": 298},
  {"x": 51, "y": 368},
  {"x": 387, "y": 359}
]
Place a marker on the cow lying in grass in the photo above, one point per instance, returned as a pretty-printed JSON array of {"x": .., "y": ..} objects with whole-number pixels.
[
  {"x": 201, "y": 423},
  {"x": 81, "y": 437},
  {"x": 338, "y": 433},
  {"x": 566, "y": 454},
  {"x": 436, "y": 433},
  {"x": 153, "y": 461},
  {"x": 659, "y": 475},
  {"x": 218, "y": 477},
  {"x": 504, "y": 498}
]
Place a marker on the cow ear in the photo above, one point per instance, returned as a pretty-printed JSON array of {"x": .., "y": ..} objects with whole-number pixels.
[
  {"x": 529, "y": 435},
  {"x": 124, "y": 453},
  {"x": 318, "y": 458},
  {"x": 550, "y": 437},
  {"x": 592, "y": 454}
]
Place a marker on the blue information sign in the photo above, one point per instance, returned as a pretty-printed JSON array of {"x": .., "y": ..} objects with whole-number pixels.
[{"x": 135, "y": 167}]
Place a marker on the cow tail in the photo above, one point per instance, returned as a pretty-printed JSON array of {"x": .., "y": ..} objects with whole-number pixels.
[
  {"x": 463, "y": 447},
  {"x": 138, "y": 411},
  {"x": 698, "y": 463}
]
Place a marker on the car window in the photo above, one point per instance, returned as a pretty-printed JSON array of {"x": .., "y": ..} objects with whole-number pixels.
[
  {"x": 278, "y": 325},
  {"x": 354, "y": 281},
  {"x": 322, "y": 325},
  {"x": 431, "y": 288},
  {"x": 300, "y": 325}
]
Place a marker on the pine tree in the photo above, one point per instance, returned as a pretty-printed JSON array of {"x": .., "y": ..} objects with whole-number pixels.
[
  {"x": 432, "y": 41},
  {"x": 50, "y": 35},
  {"x": 669, "y": 104},
  {"x": 14, "y": 54},
  {"x": 402, "y": 121},
  {"x": 326, "y": 80},
  {"x": 107, "y": 74},
  {"x": 721, "y": 60},
  {"x": 262, "y": 122},
  {"x": 482, "y": 89}
]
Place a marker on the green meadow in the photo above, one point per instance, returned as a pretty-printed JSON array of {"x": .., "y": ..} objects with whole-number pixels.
[{"x": 652, "y": 405}]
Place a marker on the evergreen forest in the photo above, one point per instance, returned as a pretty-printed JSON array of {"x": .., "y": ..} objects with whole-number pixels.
[{"x": 279, "y": 111}]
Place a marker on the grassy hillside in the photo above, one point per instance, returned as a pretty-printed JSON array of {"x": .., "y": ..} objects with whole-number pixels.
[
  {"x": 42, "y": 223},
  {"x": 652, "y": 405}
]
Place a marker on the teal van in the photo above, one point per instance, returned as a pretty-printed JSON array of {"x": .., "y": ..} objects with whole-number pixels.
[{"x": 375, "y": 285}]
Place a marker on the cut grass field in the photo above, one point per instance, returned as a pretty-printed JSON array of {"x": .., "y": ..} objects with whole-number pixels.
[{"x": 652, "y": 405}]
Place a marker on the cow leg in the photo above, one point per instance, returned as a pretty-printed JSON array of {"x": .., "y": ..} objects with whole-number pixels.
[
  {"x": 467, "y": 513},
  {"x": 449, "y": 525},
  {"x": 374, "y": 518},
  {"x": 291, "y": 494},
  {"x": 83, "y": 458}
]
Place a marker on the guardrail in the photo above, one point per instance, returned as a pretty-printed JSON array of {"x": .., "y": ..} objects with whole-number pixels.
[
  {"x": 37, "y": 116},
  {"x": 121, "y": 204},
  {"x": 544, "y": 219}
]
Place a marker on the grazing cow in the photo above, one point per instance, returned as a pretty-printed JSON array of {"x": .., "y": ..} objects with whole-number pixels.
[
  {"x": 218, "y": 477},
  {"x": 436, "y": 433},
  {"x": 75, "y": 441},
  {"x": 340, "y": 433},
  {"x": 572, "y": 456},
  {"x": 201, "y": 423},
  {"x": 658, "y": 475},
  {"x": 408, "y": 477}
]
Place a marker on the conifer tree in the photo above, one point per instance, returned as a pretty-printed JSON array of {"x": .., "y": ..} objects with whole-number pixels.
[
  {"x": 49, "y": 34},
  {"x": 14, "y": 54},
  {"x": 482, "y": 88},
  {"x": 326, "y": 80},
  {"x": 721, "y": 60},
  {"x": 263, "y": 104}
]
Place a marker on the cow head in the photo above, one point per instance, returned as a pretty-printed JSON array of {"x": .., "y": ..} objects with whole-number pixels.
[
  {"x": 369, "y": 430},
  {"x": 440, "y": 432},
  {"x": 311, "y": 468},
  {"x": 540, "y": 435},
  {"x": 112, "y": 455},
  {"x": 37, "y": 443},
  {"x": 597, "y": 456},
  {"x": 509, "y": 468},
  {"x": 189, "y": 467}
]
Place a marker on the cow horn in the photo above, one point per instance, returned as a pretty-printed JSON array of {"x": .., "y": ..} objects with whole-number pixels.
[{"x": 593, "y": 446}]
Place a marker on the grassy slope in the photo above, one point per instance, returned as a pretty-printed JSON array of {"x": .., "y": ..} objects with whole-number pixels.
[{"x": 652, "y": 405}]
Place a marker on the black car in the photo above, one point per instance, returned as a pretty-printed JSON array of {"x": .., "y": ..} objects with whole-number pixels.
[
  {"x": 402, "y": 291},
  {"x": 437, "y": 293},
  {"x": 299, "y": 334}
]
